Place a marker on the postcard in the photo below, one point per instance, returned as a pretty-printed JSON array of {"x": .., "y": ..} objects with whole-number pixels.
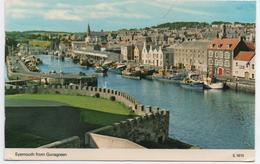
[{"x": 150, "y": 80}]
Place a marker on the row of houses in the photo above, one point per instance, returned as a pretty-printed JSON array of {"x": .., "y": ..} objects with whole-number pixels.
[{"x": 221, "y": 57}]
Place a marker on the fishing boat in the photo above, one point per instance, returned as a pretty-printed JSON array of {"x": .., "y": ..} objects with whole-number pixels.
[
  {"x": 118, "y": 69},
  {"x": 83, "y": 61},
  {"x": 212, "y": 83},
  {"x": 147, "y": 72},
  {"x": 192, "y": 85},
  {"x": 193, "y": 81},
  {"x": 131, "y": 74},
  {"x": 100, "y": 69},
  {"x": 170, "y": 76}
]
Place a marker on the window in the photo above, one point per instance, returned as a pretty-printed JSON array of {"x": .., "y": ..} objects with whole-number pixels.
[
  {"x": 210, "y": 54},
  {"x": 227, "y": 55},
  {"x": 253, "y": 66},
  {"x": 253, "y": 76},
  {"x": 216, "y": 54},
  {"x": 220, "y": 54},
  {"x": 220, "y": 62},
  {"x": 227, "y": 63},
  {"x": 216, "y": 62},
  {"x": 210, "y": 61},
  {"x": 236, "y": 63}
]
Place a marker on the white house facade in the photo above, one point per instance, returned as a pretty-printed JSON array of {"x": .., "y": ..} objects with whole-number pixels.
[{"x": 244, "y": 65}]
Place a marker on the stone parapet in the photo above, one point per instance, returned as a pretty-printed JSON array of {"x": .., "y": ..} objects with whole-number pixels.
[
  {"x": 72, "y": 142},
  {"x": 151, "y": 123}
]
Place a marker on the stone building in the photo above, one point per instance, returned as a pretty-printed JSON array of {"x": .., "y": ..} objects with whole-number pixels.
[
  {"x": 221, "y": 52},
  {"x": 244, "y": 65},
  {"x": 127, "y": 52},
  {"x": 191, "y": 55},
  {"x": 138, "y": 54}
]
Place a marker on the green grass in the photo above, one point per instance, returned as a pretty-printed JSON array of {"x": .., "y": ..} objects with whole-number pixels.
[
  {"x": 101, "y": 118},
  {"x": 83, "y": 102},
  {"x": 92, "y": 112}
]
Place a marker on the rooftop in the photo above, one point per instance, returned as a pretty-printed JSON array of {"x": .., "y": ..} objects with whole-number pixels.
[
  {"x": 199, "y": 44},
  {"x": 250, "y": 45},
  {"x": 224, "y": 43},
  {"x": 245, "y": 55}
]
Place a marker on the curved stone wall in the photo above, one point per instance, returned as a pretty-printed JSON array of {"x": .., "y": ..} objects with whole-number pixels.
[{"x": 150, "y": 124}]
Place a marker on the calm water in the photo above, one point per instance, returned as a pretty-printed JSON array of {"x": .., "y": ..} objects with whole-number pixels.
[{"x": 209, "y": 119}]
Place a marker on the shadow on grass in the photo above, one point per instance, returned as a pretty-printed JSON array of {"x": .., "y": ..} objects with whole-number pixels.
[{"x": 29, "y": 127}]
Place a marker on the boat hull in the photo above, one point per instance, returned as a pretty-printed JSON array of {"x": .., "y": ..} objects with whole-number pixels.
[
  {"x": 115, "y": 70},
  {"x": 132, "y": 77},
  {"x": 214, "y": 86},
  {"x": 196, "y": 86}
]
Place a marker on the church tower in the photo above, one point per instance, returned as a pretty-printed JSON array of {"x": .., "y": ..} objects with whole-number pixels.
[
  {"x": 88, "y": 35},
  {"x": 88, "y": 31}
]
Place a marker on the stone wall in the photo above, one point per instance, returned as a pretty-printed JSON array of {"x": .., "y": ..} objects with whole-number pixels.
[
  {"x": 76, "y": 90},
  {"x": 152, "y": 126},
  {"x": 72, "y": 142},
  {"x": 241, "y": 87},
  {"x": 151, "y": 123}
]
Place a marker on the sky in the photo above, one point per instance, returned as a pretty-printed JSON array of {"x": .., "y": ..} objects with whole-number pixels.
[{"x": 107, "y": 15}]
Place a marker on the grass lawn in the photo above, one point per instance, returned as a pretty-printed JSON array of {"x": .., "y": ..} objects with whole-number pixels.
[
  {"x": 83, "y": 102},
  {"x": 97, "y": 111},
  {"x": 29, "y": 126}
]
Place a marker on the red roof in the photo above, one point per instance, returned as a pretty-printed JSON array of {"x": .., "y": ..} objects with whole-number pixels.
[
  {"x": 250, "y": 45},
  {"x": 245, "y": 55},
  {"x": 224, "y": 43}
]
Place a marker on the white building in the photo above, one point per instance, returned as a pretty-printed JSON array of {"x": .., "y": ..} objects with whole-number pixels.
[
  {"x": 244, "y": 65},
  {"x": 153, "y": 56}
]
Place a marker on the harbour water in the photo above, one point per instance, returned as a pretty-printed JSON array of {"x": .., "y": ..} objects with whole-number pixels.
[{"x": 214, "y": 119}]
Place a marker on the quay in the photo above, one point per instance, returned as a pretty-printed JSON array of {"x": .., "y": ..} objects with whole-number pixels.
[
  {"x": 21, "y": 72},
  {"x": 240, "y": 86}
]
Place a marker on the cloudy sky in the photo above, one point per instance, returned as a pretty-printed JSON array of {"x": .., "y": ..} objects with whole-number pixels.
[{"x": 74, "y": 15}]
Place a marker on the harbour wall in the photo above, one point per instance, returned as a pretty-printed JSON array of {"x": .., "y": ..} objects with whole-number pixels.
[
  {"x": 150, "y": 123},
  {"x": 241, "y": 87}
]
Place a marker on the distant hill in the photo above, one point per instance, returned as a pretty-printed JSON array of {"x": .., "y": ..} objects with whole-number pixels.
[{"x": 178, "y": 25}]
